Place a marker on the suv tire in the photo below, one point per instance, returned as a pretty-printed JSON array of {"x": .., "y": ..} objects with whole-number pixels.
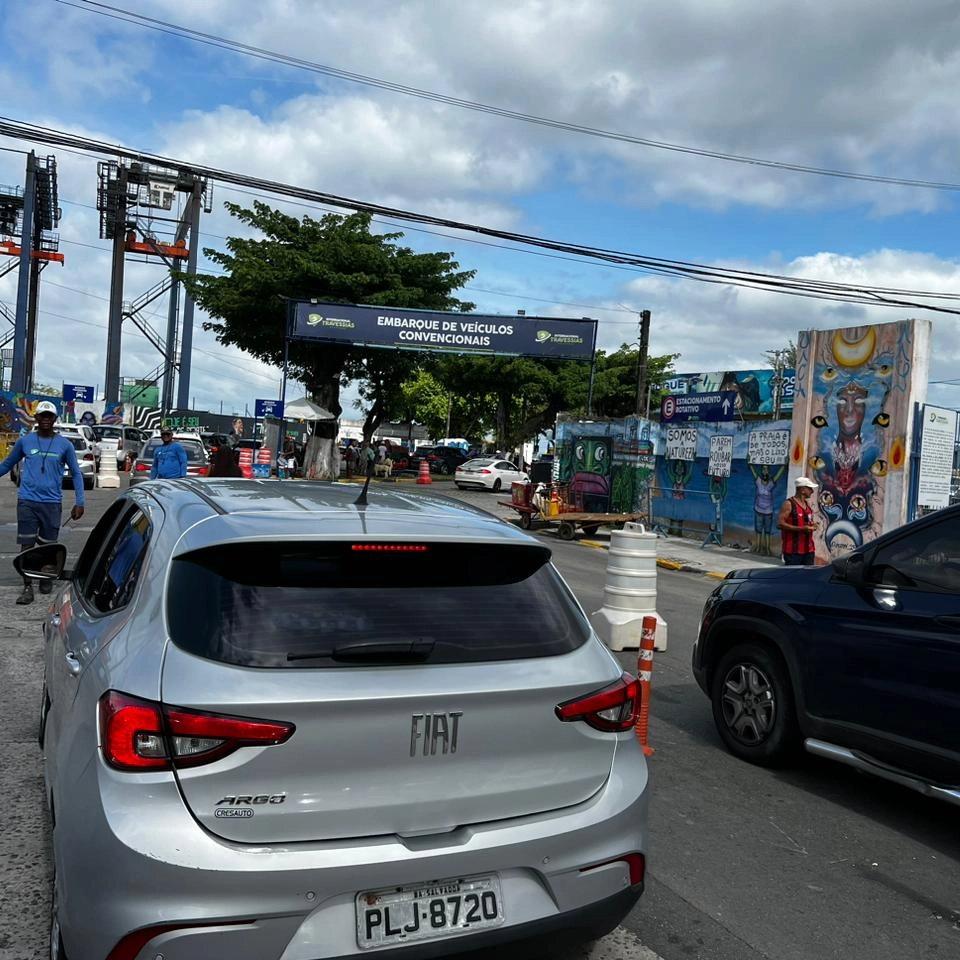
[{"x": 753, "y": 705}]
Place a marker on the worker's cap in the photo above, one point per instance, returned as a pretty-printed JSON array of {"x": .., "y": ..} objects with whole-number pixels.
[
  {"x": 45, "y": 406},
  {"x": 805, "y": 482}
]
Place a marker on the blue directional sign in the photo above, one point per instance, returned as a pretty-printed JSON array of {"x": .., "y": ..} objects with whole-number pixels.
[
  {"x": 716, "y": 407},
  {"x": 73, "y": 392},
  {"x": 268, "y": 408}
]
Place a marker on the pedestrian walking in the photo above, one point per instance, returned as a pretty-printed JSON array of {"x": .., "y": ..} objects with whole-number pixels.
[
  {"x": 350, "y": 457},
  {"x": 381, "y": 452},
  {"x": 796, "y": 525},
  {"x": 369, "y": 457},
  {"x": 169, "y": 459},
  {"x": 40, "y": 499}
]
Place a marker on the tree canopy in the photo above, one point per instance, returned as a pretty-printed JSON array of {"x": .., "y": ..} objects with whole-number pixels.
[{"x": 335, "y": 258}]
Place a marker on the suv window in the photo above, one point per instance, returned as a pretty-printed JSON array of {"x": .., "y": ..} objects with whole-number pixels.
[
  {"x": 315, "y": 605},
  {"x": 117, "y": 568},
  {"x": 927, "y": 559}
]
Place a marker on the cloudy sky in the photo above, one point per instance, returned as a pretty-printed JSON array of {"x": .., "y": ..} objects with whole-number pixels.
[{"x": 862, "y": 86}]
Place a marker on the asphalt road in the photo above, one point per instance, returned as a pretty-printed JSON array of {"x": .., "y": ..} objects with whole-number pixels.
[{"x": 813, "y": 862}]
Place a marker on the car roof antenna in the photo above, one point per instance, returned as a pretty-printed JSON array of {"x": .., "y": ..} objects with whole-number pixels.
[{"x": 361, "y": 501}]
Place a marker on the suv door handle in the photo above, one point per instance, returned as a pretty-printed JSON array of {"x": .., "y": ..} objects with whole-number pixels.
[
  {"x": 948, "y": 620},
  {"x": 73, "y": 663}
]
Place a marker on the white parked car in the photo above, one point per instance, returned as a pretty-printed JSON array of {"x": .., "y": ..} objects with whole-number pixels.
[
  {"x": 488, "y": 473},
  {"x": 120, "y": 439},
  {"x": 71, "y": 430}
]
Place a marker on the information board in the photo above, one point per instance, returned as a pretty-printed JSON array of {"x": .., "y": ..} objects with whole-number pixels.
[{"x": 936, "y": 457}]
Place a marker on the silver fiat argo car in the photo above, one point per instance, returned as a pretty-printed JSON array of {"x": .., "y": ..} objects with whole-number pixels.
[{"x": 278, "y": 723}]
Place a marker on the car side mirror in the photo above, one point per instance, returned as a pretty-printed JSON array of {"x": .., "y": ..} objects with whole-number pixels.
[
  {"x": 45, "y": 562},
  {"x": 851, "y": 568}
]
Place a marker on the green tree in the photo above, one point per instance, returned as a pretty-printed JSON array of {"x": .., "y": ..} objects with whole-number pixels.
[
  {"x": 787, "y": 354},
  {"x": 615, "y": 383},
  {"x": 334, "y": 258}
]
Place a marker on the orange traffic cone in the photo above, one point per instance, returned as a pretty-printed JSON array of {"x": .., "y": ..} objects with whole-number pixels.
[
  {"x": 424, "y": 475},
  {"x": 648, "y": 636}
]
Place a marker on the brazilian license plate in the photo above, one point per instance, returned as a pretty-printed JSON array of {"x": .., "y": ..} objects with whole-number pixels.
[{"x": 428, "y": 911}]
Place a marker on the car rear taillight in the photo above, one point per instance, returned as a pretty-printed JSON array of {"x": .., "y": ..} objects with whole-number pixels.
[
  {"x": 485, "y": 470},
  {"x": 141, "y": 467},
  {"x": 88, "y": 456},
  {"x": 139, "y": 734},
  {"x": 613, "y": 708},
  {"x": 198, "y": 471}
]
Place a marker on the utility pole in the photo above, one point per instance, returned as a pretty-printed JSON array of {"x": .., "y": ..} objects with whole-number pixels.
[
  {"x": 642, "y": 358},
  {"x": 777, "y": 381}
]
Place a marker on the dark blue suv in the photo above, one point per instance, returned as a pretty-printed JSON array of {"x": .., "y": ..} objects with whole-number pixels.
[{"x": 858, "y": 661}]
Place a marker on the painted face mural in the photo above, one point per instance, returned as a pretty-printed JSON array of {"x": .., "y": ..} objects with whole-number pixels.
[
  {"x": 854, "y": 377},
  {"x": 590, "y": 478}
]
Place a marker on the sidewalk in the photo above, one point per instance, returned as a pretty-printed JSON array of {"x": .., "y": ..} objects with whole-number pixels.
[{"x": 679, "y": 553}]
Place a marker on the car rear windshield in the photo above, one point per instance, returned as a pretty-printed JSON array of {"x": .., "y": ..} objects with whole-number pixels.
[
  {"x": 335, "y": 604},
  {"x": 194, "y": 450},
  {"x": 110, "y": 433}
]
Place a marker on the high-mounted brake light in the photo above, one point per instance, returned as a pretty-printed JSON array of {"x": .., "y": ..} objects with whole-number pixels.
[
  {"x": 139, "y": 734},
  {"x": 613, "y": 708},
  {"x": 389, "y": 548}
]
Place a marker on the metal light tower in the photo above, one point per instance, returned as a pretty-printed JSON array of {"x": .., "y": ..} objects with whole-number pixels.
[
  {"x": 36, "y": 209},
  {"x": 133, "y": 199}
]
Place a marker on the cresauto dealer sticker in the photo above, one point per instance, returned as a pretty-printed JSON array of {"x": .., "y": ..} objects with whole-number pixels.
[{"x": 231, "y": 812}]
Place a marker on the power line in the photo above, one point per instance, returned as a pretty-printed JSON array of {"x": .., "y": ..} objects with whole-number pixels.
[
  {"x": 260, "y": 53},
  {"x": 749, "y": 279}
]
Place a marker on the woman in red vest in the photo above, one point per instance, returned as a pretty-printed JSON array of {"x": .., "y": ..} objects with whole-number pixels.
[{"x": 796, "y": 525}]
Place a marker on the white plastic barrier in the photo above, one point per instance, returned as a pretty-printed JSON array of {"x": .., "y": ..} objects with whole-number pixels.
[
  {"x": 630, "y": 590},
  {"x": 108, "y": 477}
]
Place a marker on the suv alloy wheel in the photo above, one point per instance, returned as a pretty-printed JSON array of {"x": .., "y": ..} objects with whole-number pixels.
[{"x": 753, "y": 704}]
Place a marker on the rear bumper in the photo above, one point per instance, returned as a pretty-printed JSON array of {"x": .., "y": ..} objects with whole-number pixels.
[
  {"x": 537, "y": 937},
  {"x": 156, "y": 865}
]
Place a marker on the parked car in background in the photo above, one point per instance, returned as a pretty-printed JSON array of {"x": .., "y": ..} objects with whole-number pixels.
[
  {"x": 445, "y": 460},
  {"x": 87, "y": 459},
  {"x": 858, "y": 660},
  {"x": 213, "y": 441},
  {"x": 488, "y": 474},
  {"x": 204, "y": 710},
  {"x": 414, "y": 458},
  {"x": 120, "y": 439},
  {"x": 197, "y": 458},
  {"x": 81, "y": 430}
]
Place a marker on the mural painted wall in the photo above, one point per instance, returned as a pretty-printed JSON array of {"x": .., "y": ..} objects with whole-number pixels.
[
  {"x": 608, "y": 463},
  {"x": 16, "y": 416},
  {"x": 680, "y": 486},
  {"x": 724, "y": 474},
  {"x": 853, "y": 423}
]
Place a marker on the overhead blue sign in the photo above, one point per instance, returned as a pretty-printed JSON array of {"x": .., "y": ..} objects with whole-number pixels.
[
  {"x": 445, "y": 331},
  {"x": 268, "y": 408},
  {"x": 713, "y": 407},
  {"x": 74, "y": 393}
]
